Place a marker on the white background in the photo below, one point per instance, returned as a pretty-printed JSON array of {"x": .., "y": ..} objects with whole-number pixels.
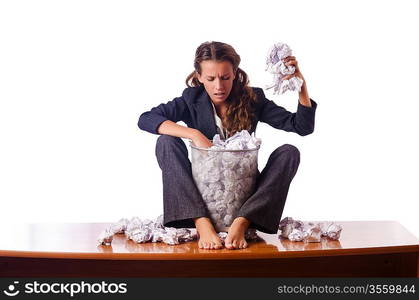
[{"x": 76, "y": 75}]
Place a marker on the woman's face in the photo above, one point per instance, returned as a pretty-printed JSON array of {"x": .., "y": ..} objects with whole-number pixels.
[{"x": 217, "y": 78}]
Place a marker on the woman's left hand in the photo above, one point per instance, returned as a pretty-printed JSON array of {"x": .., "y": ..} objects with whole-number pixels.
[
  {"x": 303, "y": 95},
  {"x": 291, "y": 61}
]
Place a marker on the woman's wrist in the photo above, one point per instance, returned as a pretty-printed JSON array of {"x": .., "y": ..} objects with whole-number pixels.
[
  {"x": 303, "y": 96},
  {"x": 193, "y": 133}
]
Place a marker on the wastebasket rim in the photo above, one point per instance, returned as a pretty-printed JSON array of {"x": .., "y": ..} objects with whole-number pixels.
[{"x": 222, "y": 150}]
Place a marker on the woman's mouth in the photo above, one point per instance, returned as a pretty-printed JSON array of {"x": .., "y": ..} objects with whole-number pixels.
[{"x": 219, "y": 95}]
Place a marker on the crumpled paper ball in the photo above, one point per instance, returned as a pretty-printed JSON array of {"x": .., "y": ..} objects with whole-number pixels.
[
  {"x": 275, "y": 65},
  {"x": 297, "y": 231},
  {"x": 143, "y": 231}
]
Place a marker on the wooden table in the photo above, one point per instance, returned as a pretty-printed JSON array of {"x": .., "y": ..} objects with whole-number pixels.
[{"x": 365, "y": 249}]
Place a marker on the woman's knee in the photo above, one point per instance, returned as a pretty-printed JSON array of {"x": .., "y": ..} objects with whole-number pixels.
[
  {"x": 288, "y": 150},
  {"x": 167, "y": 142}
]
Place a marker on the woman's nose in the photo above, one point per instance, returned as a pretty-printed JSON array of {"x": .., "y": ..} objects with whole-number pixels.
[{"x": 218, "y": 84}]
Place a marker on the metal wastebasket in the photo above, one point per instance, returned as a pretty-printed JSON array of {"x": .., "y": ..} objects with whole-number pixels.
[{"x": 225, "y": 179}]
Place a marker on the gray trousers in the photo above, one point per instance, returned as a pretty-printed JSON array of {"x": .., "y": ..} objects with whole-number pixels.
[{"x": 182, "y": 201}]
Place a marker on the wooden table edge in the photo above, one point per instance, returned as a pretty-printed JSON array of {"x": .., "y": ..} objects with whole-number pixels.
[{"x": 211, "y": 254}]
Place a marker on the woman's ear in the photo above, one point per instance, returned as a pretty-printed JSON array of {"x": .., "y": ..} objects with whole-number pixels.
[{"x": 198, "y": 76}]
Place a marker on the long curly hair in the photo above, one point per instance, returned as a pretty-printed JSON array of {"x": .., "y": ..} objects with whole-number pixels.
[{"x": 240, "y": 102}]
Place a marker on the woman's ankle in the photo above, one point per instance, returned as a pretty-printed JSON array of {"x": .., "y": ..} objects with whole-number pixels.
[
  {"x": 242, "y": 222},
  {"x": 204, "y": 223}
]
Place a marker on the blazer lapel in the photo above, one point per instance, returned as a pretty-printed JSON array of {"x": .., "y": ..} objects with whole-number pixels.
[{"x": 205, "y": 116}]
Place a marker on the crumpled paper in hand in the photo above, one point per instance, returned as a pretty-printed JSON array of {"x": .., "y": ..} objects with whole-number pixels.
[
  {"x": 297, "y": 231},
  {"x": 275, "y": 65}
]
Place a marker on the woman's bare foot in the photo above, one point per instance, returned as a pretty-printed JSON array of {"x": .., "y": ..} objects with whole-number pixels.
[
  {"x": 235, "y": 237},
  {"x": 207, "y": 236}
]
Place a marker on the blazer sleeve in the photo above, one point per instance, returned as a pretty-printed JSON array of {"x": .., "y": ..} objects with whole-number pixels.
[
  {"x": 301, "y": 122},
  {"x": 175, "y": 110}
]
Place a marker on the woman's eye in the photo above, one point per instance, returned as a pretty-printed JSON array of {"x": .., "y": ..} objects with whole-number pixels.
[{"x": 222, "y": 78}]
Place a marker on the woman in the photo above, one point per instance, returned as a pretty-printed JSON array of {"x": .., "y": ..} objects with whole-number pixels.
[{"x": 219, "y": 100}]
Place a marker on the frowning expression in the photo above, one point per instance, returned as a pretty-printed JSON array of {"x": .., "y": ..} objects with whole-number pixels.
[{"x": 217, "y": 78}]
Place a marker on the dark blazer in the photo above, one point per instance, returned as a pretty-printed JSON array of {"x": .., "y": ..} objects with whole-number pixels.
[{"x": 195, "y": 109}]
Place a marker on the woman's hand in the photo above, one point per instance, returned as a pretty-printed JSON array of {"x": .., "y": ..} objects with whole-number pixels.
[
  {"x": 303, "y": 95},
  {"x": 291, "y": 61},
  {"x": 200, "y": 140}
]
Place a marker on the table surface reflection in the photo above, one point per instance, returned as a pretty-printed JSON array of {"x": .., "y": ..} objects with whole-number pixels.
[{"x": 79, "y": 241}]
